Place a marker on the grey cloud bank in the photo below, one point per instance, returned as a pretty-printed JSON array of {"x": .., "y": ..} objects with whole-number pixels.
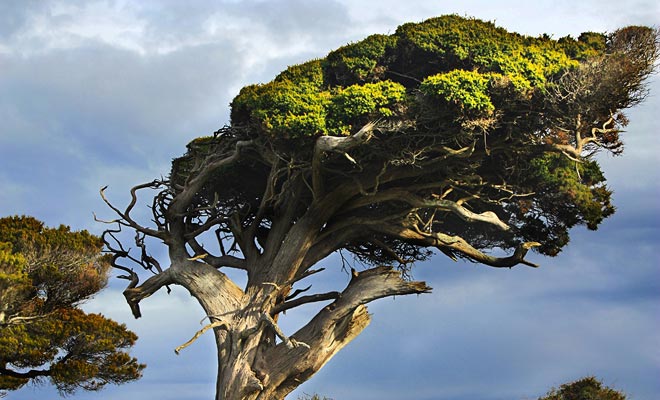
[{"x": 106, "y": 93}]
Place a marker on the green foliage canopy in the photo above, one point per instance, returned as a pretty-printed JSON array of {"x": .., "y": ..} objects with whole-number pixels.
[{"x": 454, "y": 55}]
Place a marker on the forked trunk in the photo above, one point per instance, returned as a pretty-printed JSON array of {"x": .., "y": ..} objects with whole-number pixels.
[
  {"x": 256, "y": 361},
  {"x": 254, "y": 366}
]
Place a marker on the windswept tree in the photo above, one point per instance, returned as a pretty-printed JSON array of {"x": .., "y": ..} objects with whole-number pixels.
[
  {"x": 45, "y": 273},
  {"x": 450, "y": 135}
]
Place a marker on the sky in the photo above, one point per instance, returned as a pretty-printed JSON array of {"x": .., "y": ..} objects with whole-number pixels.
[{"x": 96, "y": 93}]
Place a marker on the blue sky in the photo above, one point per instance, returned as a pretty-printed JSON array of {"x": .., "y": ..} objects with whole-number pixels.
[{"x": 96, "y": 93}]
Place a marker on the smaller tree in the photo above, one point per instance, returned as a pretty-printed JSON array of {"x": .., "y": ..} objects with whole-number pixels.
[
  {"x": 588, "y": 388},
  {"x": 45, "y": 273}
]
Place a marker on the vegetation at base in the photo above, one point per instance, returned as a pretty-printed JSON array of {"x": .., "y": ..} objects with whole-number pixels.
[
  {"x": 588, "y": 388},
  {"x": 313, "y": 397}
]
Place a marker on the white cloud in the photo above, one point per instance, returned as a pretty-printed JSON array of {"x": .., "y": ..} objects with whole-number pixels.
[{"x": 69, "y": 25}]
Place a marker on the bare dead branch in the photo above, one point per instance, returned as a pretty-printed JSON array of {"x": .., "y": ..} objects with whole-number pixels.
[
  {"x": 304, "y": 273},
  {"x": 125, "y": 215},
  {"x": 297, "y": 292},
  {"x": 224, "y": 260},
  {"x": 342, "y": 145},
  {"x": 458, "y": 244},
  {"x": 135, "y": 294},
  {"x": 304, "y": 300},
  {"x": 17, "y": 319},
  {"x": 379, "y": 282},
  {"x": 214, "y": 324}
]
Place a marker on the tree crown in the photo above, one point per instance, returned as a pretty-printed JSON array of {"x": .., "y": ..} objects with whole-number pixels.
[{"x": 525, "y": 114}]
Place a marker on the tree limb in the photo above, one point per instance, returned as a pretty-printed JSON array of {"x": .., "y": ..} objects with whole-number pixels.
[
  {"x": 224, "y": 260},
  {"x": 304, "y": 300},
  {"x": 401, "y": 195},
  {"x": 136, "y": 294},
  {"x": 125, "y": 215},
  {"x": 214, "y": 324},
  {"x": 336, "y": 144},
  {"x": 33, "y": 373},
  {"x": 457, "y": 244}
]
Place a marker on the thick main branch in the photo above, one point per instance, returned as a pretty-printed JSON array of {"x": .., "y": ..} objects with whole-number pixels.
[{"x": 455, "y": 243}]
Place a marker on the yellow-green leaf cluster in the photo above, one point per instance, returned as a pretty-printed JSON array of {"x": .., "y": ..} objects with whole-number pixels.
[
  {"x": 466, "y": 89},
  {"x": 357, "y": 103},
  {"x": 358, "y": 62},
  {"x": 449, "y": 57},
  {"x": 297, "y": 104},
  {"x": 292, "y": 105},
  {"x": 452, "y": 42}
]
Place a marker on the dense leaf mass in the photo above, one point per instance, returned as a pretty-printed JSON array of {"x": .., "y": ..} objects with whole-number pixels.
[
  {"x": 44, "y": 274},
  {"x": 457, "y": 56},
  {"x": 500, "y": 122}
]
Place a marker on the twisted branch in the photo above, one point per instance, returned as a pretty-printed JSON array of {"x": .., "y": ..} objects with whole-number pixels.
[{"x": 125, "y": 215}]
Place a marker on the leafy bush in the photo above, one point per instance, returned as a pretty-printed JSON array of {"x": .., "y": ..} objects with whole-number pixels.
[{"x": 588, "y": 388}]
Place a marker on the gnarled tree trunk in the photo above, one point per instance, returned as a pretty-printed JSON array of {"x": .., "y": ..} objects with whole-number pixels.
[{"x": 255, "y": 359}]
